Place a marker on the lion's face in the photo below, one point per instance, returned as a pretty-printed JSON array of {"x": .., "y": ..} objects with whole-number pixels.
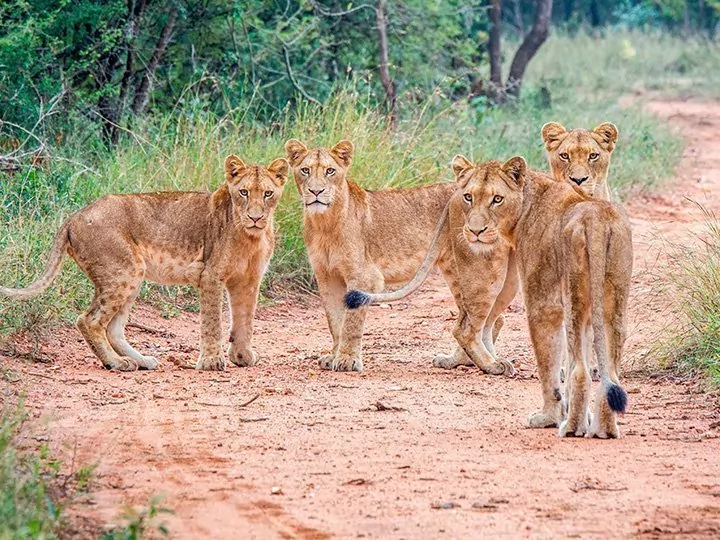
[
  {"x": 255, "y": 191},
  {"x": 319, "y": 173},
  {"x": 490, "y": 195},
  {"x": 581, "y": 157}
]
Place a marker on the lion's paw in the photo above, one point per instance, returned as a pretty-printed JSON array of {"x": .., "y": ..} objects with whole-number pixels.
[
  {"x": 341, "y": 363},
  {"x": 211, "y": 363},
  {"x": 243, "y": 357},
  {"x": 450, "y": 361},
  {"x": 545, "y": 419},
  {"x": 147, "y": 362},
  {"x": 123, "y": 363},
  {"x": 570, "y": 428},
  {"x": 501, "y": 367},
  {"x": 604, "y": 430}
]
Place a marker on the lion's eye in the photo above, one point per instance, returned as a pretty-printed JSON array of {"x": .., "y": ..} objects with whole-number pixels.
[
  {"x": 497, "y": 199},
  {"x": 467, "y": 197},
  {"x": 244, "y": 192},
  {"x": 329, "y": 171},
  {"x": 305, "y": 171},
  {"x": 594, "y": 156},
  {"x": 268, "y": 194},
  {"x": 564, "y": 156}
]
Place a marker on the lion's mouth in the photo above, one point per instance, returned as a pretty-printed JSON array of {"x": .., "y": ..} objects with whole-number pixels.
[{"x": 317, "y": 201}]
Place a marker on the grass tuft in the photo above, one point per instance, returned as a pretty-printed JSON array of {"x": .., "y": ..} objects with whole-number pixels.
[{"x": 693, "y": 344}]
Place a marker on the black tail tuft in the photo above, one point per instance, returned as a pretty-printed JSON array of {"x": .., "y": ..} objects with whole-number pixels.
[
  {"x": 356, "y": 299},
  {"x": 617, "y": 398}
]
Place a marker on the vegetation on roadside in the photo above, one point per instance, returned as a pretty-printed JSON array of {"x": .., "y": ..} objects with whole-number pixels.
[
  {"x": 31, "y": 503},
  {"x": 185, "y": 147},
  {"x": 693, "y": 342}
]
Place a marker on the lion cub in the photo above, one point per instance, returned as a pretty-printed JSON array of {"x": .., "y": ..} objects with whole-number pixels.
[
  {"x": 210, "y": 240},
  {"x": 363, "y": 239},
  {"x": 581, "y": 157}
]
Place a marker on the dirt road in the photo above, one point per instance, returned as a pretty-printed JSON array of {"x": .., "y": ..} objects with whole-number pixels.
[{"x": 451, "y": 439}]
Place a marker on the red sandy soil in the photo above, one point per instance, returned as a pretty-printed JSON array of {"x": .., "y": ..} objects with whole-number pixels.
[{"x": 347, "y": 470}]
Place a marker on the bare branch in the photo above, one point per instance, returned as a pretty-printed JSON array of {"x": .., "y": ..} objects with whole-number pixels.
[{"x": 294, "y": 82}]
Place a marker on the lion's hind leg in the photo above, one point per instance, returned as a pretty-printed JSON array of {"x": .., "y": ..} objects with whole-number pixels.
[
  {"x": 578, "y": 383},
  {"x": 548, "y": 338},
  {"x": 93, "y": 325},
  {"x": 116, "y": 328}
]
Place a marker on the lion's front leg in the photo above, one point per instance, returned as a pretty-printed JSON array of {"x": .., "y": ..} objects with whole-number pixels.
[
  {"x": 332, "y": 291},
  {"x": 243, "y": 296},
  {"x": 211, "y": 354},
  {"x": 469, "y": 337},
  {"x": 349, "y": 351}
]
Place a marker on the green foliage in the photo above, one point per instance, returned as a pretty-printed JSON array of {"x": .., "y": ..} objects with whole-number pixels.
[
  {"x": 28, "y": 508},
  {"x": 140, "y": 523},
  {"x": 184, "y": 150},
  {"x": 694, "y": 283}
]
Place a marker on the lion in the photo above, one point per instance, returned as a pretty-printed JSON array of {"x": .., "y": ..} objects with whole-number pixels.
[
  {"x": 210, "y": 240},
  {"x": 581, "y": 157},
  {"x": 574, "y": 258},
  {"x": 485, "y": 282},
  {"x": 362, "y": 239}
]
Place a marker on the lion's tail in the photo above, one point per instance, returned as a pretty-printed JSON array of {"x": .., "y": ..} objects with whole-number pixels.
[
  {"x": 355, "y": 299},
  {"x": 597, "y": 253},
  {"x": 55, "y": 258}
]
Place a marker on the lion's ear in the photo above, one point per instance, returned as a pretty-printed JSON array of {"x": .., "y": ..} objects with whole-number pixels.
[
  {"x": 279, "y": 169},
  {"x": 343, "y": 151},
  {"x": 552, "y": 134},
  {"x": 515, "y": 168},
  {"x": 295, "y": 151},
  {"x": 233, "y": 167},
  {"x": 608, "y": 134},
  {"x": 461, "y": 164}
]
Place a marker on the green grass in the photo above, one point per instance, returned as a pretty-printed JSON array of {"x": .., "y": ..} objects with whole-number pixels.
[
  {"x": 29, "y": 506},
  {"x": 185, "y": 150},
  {"x": 693, "y": 341}
]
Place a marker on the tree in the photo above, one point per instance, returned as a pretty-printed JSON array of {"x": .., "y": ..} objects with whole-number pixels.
[{"x": 530, "y": 45}]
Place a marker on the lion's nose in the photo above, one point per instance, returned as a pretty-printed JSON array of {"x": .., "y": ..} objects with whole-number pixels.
[
  {"x": 316, "y": 192},
  {"x": 479, "y": 231},
  {"x": 578, "y": 181},
  {"x": 255, "y": 219}
]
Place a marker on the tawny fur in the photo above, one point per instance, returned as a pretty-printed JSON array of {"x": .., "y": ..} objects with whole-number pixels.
[
  {"x": 362, "y": 239},
  {"x": 574, "y": 258},
  {"x": 213, "y": 240},
  {"x": 581, "y": 157},
  {"x": 476, "y": 227}
]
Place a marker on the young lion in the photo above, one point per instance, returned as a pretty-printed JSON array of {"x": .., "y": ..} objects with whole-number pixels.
[
  {"x": 477, "y": 229},
  {"x": 361, "y": 239},
  {"x": 581, "y": 157},
  {"x": 209, "y": 240},
  {"x": 574, "y": 257}
]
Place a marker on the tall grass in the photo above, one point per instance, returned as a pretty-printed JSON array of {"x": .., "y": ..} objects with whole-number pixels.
[
  {"x": 28, "y": 504},
  {"x": 185, "y": 150},
  {"x": 693, "y": 343}
]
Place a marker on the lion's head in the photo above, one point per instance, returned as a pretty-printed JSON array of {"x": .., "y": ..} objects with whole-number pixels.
[
  {"x": 490, "y": 197},
  {"x": 581, "y": 157},
  {"x": 254, "y": 191},
  {"x": 319, "y": 173}
]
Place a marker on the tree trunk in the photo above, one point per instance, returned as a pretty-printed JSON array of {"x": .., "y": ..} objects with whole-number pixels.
[
  {"x": 495, "y": 52},
  {"x": 132, "y": 28},
  {"x": 387, "y": 82},
  {"x": 517, "y": 15},
  {"x": 143, "y": 91},
  {"x": 702, "y": 18},
  {"x": 530, "y": 45},
  {"x": 594, "y": 14}
]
